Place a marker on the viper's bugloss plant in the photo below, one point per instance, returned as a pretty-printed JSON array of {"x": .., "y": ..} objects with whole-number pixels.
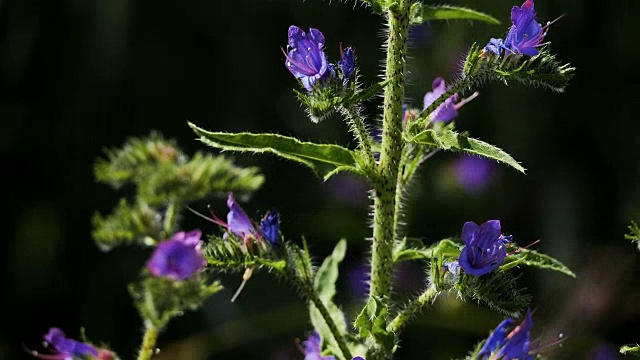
[{"x": 179, "y": 275}]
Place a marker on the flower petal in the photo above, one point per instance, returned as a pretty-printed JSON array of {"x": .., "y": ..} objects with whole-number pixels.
[{"x": 469, "y": 231}]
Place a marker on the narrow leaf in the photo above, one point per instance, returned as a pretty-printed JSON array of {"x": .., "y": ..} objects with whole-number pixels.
[
  {"x": 424, "y": 13},
  {"x": 325, "y": 287},
  {"x": 415, "y": 251},
  {"x": 367, "y": 93},
  {"x": 451, "y": 140},
  {"x": 323, "y": 159},
  {"x": 535, "y": 259}
]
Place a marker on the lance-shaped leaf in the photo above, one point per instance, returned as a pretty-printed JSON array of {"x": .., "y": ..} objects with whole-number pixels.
[
  {"x": 421, "y": 13},
  {"x": 535, "y": 259},
  {"x": 324, "y": 159},
  {"x": 367, "y": 93},
  {"x": 451, "y": 140},
  {"x": 372, "y": 322},
  {"x": 413, "y": 249},
  {"x": 325, "y": 287}
]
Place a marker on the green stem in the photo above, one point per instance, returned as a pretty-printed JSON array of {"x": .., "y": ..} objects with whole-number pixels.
[
  {"x": 342, "y": 343},
  {"x": 148, "y": 342},
  {"x": 422, "y": 119},
  {"x": 356, "y": 125},
  {"x": 169, "y": 218},
  {"x": 386, "y": 185},
  {"x": 412, "y": 309}
]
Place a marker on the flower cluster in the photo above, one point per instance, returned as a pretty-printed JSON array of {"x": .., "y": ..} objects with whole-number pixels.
[
  {"x": 68, "y": 349},
  {"x": 485, "y": 247},
  {"x": 306, "y": 60},
  {"x": 179, "y": 257},
  {"x": 525, "y": 35}
]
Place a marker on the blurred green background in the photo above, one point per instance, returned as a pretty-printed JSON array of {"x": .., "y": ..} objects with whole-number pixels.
[{"x": 79, "y": 75}]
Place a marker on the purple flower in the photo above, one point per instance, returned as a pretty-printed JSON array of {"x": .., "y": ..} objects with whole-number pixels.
[
  {"x": 495, "y": 46},
  {"x": 306, "y": 59},
  {"x": 526, "y": 33},
  {"x": 347, "y": 63},
  {"x": 237, "y": 220},
  {"x": 67, "y": 349},
  {"x": 312, "y": 349},
  {"x": 270, "y": 227},
  {"x": 178, "y": 258},
  {"x": 485, "y": 247},
  {"x": 473, "y": 173},
  {"x": 508, "y": 342},
  {"x": 448, "y": 110}
]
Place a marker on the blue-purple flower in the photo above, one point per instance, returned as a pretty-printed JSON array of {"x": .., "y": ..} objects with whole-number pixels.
[
  {"x": 179, "y": 257},
  {"x": 448, "y": 110},
  {"x": 485, "y": 247},
  {"x": 312, "y": 349},
  {"x": 270, "y": 227},
  {"x": 237, "y": 220},
  {"x": 306, "y": 59},
  {"x": 69, "y": 349},
  {"x": 347, "y": 63},
  {"x": 525, "y": 35},
  {"x": 508, "y": 342}
]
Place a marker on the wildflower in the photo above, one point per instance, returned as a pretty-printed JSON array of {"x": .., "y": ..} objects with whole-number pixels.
[
  {"x": 508, "y": 344},
  {"x": 485, "y": 247},
  {"x": 525, "y": 35},
  {"x": 237, "y": 220},
  {"x": 306, "y": 59},
  {"x": 347, "y": 63},
  {"x": 69, "y": 349},
  {"x": 312, "y": 349},
  {"x": 270, "y": 227},
  {"x": 178, "y": 258},
  {"x": 448, "y": 110},
  {"x": 495, "y": 46}
]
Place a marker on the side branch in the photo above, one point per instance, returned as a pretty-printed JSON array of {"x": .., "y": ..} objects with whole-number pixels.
[{"x": 412, "y": 309}]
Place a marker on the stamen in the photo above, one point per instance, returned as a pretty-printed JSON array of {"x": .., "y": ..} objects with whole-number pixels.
[{"x": 245, "y": 277}]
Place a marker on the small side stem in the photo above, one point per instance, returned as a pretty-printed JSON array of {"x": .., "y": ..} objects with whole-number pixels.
[
  {"x": 148, "y": 342},
  {"x": 412, "y": 309},
  {"x": 357, "y": 126},
  {"x": 342, "y": 343},
  {"x": 169, "y": 218}
]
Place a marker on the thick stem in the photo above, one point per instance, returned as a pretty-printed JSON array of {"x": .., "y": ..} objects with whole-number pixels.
[
  {"x": 148, "y": 342},
  {"x": 385, "y": 186},
  {"x": 412, "y": 309},
  {"x": 346, "y": 353}
]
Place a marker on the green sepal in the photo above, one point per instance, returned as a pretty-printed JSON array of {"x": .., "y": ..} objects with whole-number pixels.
[
  {"x": 372, "y": 323},
  {"x": 366, "y": 94},
  {"x": 231, "y": 254},
  {"x": 413, "y": 249},
  {"x": 325, "y": 288},
  {"x": 534, "y": 259},
  {"x": 324, "y": 160},
  {"x": 630, "y": 350},
  {"x": 541, "y": 70},
  {"x": 159, "y": 299},
  {"x": 421, "y": 13},
  {"x": 498, "y": 290},
  {"x": 453, "y": 141}
]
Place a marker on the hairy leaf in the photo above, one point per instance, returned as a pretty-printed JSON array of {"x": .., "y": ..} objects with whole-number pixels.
[
  {"x": 372, "y": 322},
  {"x": 535, "y": 259},
  {"x": 324, "y": 160},
  {"x": 367, "y": 93},
  {"x": 451, "y": 140},
  {"x": 498, "y": 290},
  {"x": 421, "y": 13},
  {"x": 325, "y": 286},
  {"x": 414, "y": 250}
]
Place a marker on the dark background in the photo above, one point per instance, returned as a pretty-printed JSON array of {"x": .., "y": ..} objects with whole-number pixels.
[{"x": 78, "y": 76}]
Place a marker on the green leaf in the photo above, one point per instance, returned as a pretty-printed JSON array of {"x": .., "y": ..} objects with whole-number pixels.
[
  {"x": 325, "y": 286},
  {"x": 634, "y": 234},
  {"x": 367, "y": 93},
  {"x": 498, "y": 290},
  {"x": 451, "y": 140},
  {"x": 410, "y": 249},
  {"x": 372, "y": 322},
  {"x": 324, "y": 160},
  {"x": 421, "y": 13},
  {"x": 535, "y": 259},
  {"x": 630, "y": 349}
]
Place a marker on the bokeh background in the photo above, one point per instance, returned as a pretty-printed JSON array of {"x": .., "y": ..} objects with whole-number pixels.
[{"x": 80, "y": 75}]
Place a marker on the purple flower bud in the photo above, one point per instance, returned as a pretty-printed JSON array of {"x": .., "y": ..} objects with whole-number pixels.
[
  {"x": 178, "y": 258},
  {"x": 495, "y": 46},
  {"x": 270, "y": 227},
  {"x": 485, "y": 247},
  {"x": 347, "y": 63},
  {"x": 306, "y": 59},
  {"x": 312, "y": 349},
  {"x": 526, "y": 34},
  {"x": 67, "y": 349}
]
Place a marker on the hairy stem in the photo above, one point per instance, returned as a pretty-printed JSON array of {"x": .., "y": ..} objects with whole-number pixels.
[
  {"x": 342, "y": 343},
  {"x": 148, "y": 342},
  {"x": 412, "y": 309},
  {"x": 385, "y": 187},
  {"x": 357, "y": 126}
]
